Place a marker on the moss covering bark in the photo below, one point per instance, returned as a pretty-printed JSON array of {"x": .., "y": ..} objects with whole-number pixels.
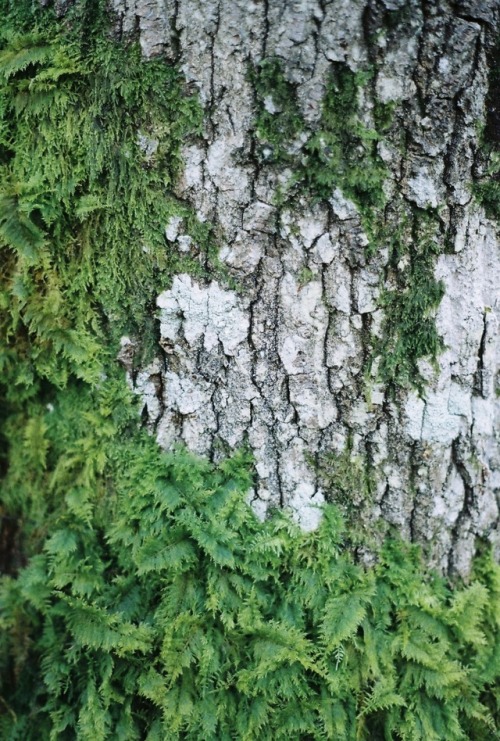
[{"x": 141, "y": 598}]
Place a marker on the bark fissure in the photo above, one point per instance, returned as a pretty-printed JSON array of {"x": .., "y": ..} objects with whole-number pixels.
[{"x": 480, "y": 385}]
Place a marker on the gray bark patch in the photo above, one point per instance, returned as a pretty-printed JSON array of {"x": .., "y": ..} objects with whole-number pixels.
[{"x": 283, "y": 363}]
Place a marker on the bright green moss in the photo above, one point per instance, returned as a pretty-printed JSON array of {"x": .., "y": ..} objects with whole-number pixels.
[
  {"x": 83, "y": 206},
  {"x": 155, "y": 605}
]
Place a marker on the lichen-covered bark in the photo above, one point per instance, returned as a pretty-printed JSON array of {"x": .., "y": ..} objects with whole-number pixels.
[{"x": 280, "y": 359}]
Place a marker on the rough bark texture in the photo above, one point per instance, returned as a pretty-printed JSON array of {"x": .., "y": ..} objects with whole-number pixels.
[{"x": 282, "y": 362}]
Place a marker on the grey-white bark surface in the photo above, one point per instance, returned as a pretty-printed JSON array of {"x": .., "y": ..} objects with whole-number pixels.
[{"x": 281, "y": 363}]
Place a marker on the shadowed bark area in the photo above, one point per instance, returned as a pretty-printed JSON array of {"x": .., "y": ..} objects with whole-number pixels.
[{"x": 354, "y": 345}]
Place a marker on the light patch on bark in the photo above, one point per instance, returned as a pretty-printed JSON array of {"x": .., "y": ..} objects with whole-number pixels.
[{"x": 217, "y": 388}]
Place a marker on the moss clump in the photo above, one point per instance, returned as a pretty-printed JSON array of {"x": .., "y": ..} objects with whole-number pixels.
[
  {"x": 487, "y": 188},
  {"x": 156, "y": 606},
  {"x": 348, "y": 483},
  {"x": 339, "y": 153},
  {"x": 83, "y": 203},
  {"x": 342, "y": 153},
  {"x": 488, "y": 195},
  {"x": 278, "y": 121},
  {"x": 409, "y": 331}
]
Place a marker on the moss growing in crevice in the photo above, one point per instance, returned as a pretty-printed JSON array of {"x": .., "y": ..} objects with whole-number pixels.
[
  {"x": 409, "y": 331},
  {"x": 487, "y": 191},
  {"x": 342, "y": 153},
  {"x": 339, "y": 153},
  {"x": 492, "y": 129},
  {"x": 348, "y": 483},
  {"x": 487, "y": 187},
  {"x": 278, "y": 122}
]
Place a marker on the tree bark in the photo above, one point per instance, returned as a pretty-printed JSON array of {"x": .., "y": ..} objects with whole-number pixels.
[{"x": 287, "y": 359}]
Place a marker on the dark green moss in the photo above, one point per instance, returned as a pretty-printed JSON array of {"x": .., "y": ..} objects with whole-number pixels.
[
  {"x": 340, "y": 152},
  {"x": 487, "y": 188},
  {"x": 487, "y": 191},
  {"x": 383, "y": 115},
  {"x": 409, "y": 330},
  {"x": 492, "y": 129},
  {"x": 278, "y": 121},
  {"x": 348, "y": 483}
]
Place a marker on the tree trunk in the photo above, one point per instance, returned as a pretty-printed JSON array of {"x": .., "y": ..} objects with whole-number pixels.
[{"x": 315, "y": 345}]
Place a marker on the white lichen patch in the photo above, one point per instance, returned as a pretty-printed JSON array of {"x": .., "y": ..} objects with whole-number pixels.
[
  {"x": 210, "y": 313},
  {"x": 423, "y": 189},
  {"x": 148, "y": 145},
  {"x": 216, "y": 386}
]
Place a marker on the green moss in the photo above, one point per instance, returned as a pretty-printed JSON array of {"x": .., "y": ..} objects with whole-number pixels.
[
  {"x": 156, "y": 605},
  {"x": 278, "y": 121},
  {"x": 487, "y": 188},
  {"x": 342, "y": 153},
  {"x": 83, "y": 207},
  {"x": 306, "y": 275},
  {"x": 383, "y": 115},
  {"x": 409, "y": 331},
  {"x": 339, "y": 153},
  {"x": 345, "y": 478},
  {"x": 348, "y": 483}
]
